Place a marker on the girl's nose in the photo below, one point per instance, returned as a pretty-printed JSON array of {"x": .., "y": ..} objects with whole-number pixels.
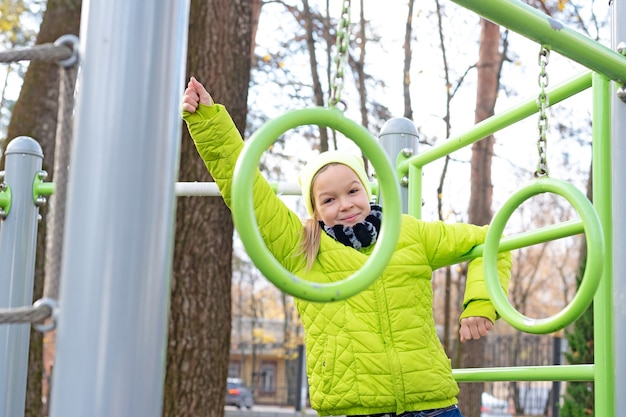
[{"x": 345, "y": 203}]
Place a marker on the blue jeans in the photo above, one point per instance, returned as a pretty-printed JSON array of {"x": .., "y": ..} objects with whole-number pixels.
[{"x": 454, "y": 412}]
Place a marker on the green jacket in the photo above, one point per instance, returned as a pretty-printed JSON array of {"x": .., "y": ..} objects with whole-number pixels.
[{"x": 378, "y": 351}]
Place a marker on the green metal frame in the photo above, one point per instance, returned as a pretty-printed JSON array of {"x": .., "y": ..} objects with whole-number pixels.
[
  {"x": 5, "y": 200},
  {"x": 601, "y": 371},
  {"x": 606, "y": 66}
]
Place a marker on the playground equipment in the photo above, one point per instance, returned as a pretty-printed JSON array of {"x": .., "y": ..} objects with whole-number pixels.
[
  {"x": 104, "y": 314},
  {"x": 243, "y": 214}
]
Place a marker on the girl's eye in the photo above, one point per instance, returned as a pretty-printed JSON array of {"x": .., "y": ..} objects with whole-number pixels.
[{"x": 327, "y": 201}]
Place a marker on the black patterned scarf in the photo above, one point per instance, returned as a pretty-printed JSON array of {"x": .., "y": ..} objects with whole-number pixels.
[{"x": 362, "y": 234}]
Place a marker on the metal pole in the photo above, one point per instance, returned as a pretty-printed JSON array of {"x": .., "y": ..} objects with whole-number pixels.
[
  {"x": 603, "y": 300},
  {"x": 118, "y": 244},
  {"x": 618, "y": 161},
  {"x": 301, "y": 381},
  {"x": 18, "y": 241},
  {"x": 400, "y": 135},
  {"x": 556, "y": 385}
]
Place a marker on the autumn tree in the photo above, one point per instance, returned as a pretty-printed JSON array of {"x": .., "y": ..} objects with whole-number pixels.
[
  {"x": 479, "y": 211},
  {"x": 13, "y": 34},
  {"x": 35, "y": 115},
  {"x": 219, "y": 46}
]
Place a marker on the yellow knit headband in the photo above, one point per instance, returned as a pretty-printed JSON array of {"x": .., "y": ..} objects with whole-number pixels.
[{"x": 307, "y": 174}]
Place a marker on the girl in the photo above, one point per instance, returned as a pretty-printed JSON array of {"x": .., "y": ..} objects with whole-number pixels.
[{"x": 376, "y": 353}]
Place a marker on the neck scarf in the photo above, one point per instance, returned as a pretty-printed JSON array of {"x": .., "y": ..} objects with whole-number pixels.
[{"x": 362, "y": 234}]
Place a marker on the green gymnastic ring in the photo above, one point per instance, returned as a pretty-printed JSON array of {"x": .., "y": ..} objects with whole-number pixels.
[
  {"x": 593, "y": 270},
  {"x": 246, "y": 224}
]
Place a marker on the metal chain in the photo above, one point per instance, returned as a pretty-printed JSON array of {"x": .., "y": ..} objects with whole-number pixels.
[
  {"x": 341, "y": 55},
  {"x": 543, "y": 101}
]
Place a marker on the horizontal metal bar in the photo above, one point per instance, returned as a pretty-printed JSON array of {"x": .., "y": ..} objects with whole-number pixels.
[
  {"x": 533, "y": 237},
  {"x": 188, "y": 189},
  {"x": 209, "y": 189},
  {"x": 526, "y": 373}
]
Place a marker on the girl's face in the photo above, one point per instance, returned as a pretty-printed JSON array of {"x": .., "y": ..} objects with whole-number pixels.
[{"x": 339, "y": 197}]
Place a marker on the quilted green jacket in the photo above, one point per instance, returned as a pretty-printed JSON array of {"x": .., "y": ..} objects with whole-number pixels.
[{"x": 378, "y": 351}]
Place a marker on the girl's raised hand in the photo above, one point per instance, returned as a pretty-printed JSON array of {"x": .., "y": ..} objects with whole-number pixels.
[{"x": 195, "y": 94}]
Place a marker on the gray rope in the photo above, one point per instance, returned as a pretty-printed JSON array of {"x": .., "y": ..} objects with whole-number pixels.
[
  {"x": 25, "y": 314},
  {"x": 64, "y": 52},
  {"x": 56, "y": 209},
  {"x": 46, "y": 52}
]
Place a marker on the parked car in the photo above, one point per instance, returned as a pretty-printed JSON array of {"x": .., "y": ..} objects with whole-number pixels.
[
  {"x": 238, "y": 394},
  {"x": 494, "y": 407}
]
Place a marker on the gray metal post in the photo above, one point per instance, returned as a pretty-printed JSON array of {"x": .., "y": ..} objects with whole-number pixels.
[
  {"x": 397, "y": 135},
  {"x": 18, "y": 240},
  {"x": 555, "y": 398},
  {"x": 618, "y": 161},
  {"x": 301, "y": 381},
  {"x": 118, "y": 244}
]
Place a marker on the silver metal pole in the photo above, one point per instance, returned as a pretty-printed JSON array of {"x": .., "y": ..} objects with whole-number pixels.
[
  {"x": 18, "y": 241},
  {"x": 618, "y": 153},
  {"x": 118, "y": 245},
  {"x": 399, "y": 135}
]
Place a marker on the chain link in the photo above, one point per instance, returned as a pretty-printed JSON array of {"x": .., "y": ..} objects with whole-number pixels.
[
  {"x": 341, "y": 53},
  {"x": 543, "y": 101}
]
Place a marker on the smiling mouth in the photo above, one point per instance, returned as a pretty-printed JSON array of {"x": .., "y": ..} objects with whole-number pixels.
[{"x": 350, "y": 219}]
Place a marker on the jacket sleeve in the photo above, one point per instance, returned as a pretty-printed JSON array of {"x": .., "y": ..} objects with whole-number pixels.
[
  {"x": 476, "y": 301},
  {"x": 219, "y": 144},
  {"x": 445, "y": 243}
]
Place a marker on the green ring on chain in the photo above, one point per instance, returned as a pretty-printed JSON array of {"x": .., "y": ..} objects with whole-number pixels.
[
  {"x": 593, "y": 271},
  {"x": 246, "y": 224}
]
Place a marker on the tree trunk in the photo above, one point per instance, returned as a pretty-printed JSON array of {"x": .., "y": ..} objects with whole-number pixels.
[
  {"x": 317, "y": 85},
  {"x": 489, "y": 63},
  {"x": 219, "y": 45},
  {"x": 35, "y": 115},
  {"x": 408, "y": 56}
]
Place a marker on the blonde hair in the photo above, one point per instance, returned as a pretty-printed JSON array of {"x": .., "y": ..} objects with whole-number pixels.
[
  {"x": 311, "y": 230},
  {"x": 311, "y": 235}
]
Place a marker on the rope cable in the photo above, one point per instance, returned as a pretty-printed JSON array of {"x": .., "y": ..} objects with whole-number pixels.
[
  {"x": 46, "y": 52},
  {"x": 65, "y": 53}
]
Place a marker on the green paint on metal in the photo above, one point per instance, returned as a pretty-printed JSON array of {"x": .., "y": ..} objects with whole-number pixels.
[
  {"x": 595, "y": 246},
  {"x": 5, "y": 200},
  {"x": 603, "y": 306},
  {"x": 532, "y": 237},
  {"x": 526, "y": 373},
  {"x": 41, "y": 188},
  {"x": 245, "y": 221}
]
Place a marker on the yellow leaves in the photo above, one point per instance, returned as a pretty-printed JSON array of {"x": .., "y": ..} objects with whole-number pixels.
[
  {"x": 267, "y": 58},
  {"x": 560, "y": 5},
  {"x": 261, "y": 336},
  {"x": 11, "y": 29}
]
